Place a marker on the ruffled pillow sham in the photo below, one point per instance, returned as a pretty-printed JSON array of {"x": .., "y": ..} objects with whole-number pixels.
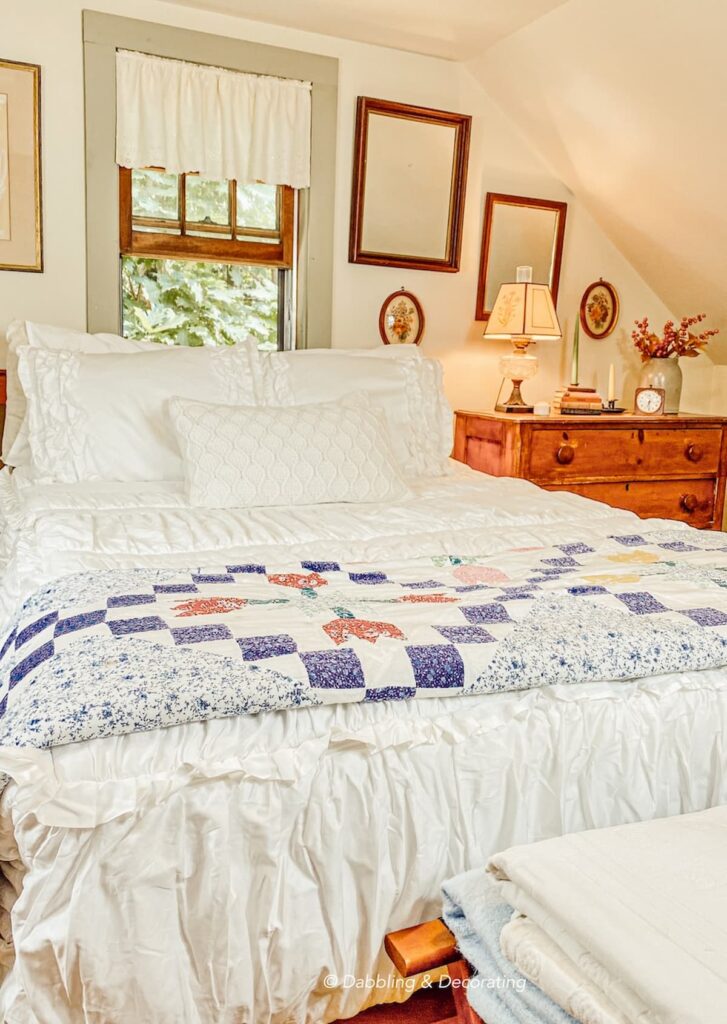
[
  {"x": 104, "y": 417},
  {"x": 398, "y": 379},
  {"x": 22, "y": 334}
]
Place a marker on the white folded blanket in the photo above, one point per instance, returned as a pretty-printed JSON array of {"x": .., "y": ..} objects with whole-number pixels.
[
  {"x": 566, "y": 982},
  {"x": 624, "y": 924}
]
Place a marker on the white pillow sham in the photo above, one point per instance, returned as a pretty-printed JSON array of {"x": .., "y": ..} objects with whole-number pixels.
[
  {"x": 397, "y": 379},
  {"x": 23, "y": 333},
  {"x": 104, "y": 417},
  {"x": 307, "y": 455}
]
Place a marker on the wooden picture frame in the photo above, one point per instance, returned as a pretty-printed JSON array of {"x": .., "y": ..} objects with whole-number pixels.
[
  {"x": 493, "y": 201},
  {"x": 440, "y": 249},
  {"x": 21, "y": 220},
  {"x": 407, "y": 327},
  {"x": 602, "y": 322}
]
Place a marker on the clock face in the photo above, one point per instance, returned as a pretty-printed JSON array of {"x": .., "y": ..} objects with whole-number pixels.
[{"x": 649, "y": 400}]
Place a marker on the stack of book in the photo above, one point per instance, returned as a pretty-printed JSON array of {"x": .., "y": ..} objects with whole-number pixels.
[{"x": 577, "y": 401}]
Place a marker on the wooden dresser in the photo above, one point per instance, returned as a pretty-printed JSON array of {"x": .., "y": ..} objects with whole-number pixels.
[{"x": 672, "y": 467}]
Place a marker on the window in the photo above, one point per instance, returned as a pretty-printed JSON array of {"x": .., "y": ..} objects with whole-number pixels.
[{"x": 204, "y": 262}]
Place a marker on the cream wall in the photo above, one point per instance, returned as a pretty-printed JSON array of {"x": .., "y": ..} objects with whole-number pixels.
[{"x": 48, "y": 32}]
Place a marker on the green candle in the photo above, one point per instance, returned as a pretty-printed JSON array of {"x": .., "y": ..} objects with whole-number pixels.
[{"x": 576, "y": 341}]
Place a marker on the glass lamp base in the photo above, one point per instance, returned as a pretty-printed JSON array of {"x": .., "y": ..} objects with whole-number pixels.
[{"x": 517, "y": 366}]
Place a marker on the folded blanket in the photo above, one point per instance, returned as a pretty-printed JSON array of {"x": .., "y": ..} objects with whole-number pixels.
[
  {"x": 543, "y": 962},
  {"x": 621, "y": 924},
  {"x": 476, "y": 914}
]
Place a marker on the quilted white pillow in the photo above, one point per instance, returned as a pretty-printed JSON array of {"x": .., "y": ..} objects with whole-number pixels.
[
  {"x": 104, "y": 417},
  {"x": 307, "y": 455},
  {"x": 23, "y": 333},
  {"x": 397, "y": 379}
]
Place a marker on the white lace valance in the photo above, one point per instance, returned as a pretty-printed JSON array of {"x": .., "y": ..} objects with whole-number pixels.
[{"x": 223, "y": 124}]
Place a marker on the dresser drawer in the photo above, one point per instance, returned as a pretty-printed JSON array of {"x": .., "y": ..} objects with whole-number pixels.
[
  {"x": 583, "y": 453},
  {"x": 692, "y": 501}
]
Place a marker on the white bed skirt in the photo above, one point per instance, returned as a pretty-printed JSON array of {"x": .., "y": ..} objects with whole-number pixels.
[{"x": 224, "y": 872}]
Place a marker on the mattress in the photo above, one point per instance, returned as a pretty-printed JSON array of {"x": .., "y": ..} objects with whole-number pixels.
[{"x": 248, "y": 868}]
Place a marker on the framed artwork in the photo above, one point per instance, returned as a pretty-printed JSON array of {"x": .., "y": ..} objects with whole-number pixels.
[
  {"x": 21, "y": 246},
  {"x": 401, "y": 320},
  {"x": 409, "y": 180},
  {"x": 519, "y": 231},
  {"x": 599, "y": 309}
]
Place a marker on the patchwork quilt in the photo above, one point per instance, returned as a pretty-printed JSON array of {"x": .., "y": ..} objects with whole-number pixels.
[{"x": 108, "y": 652}]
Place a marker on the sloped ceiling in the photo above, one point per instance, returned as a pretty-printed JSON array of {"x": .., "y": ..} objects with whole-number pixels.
[
  {"x": 627, "y": 103},
  {"x": 454, "y": 29}
]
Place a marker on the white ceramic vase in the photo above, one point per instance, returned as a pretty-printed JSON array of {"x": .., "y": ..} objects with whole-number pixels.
[{"x": 664, "y": 373}]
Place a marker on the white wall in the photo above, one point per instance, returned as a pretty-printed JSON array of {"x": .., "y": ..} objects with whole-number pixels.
[{"x": 48, "y": 32}]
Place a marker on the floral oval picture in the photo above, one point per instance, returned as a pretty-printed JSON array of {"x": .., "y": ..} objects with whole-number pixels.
[
  {"x": 599, "y": 309},
  {"x": 401, "y": 321}
]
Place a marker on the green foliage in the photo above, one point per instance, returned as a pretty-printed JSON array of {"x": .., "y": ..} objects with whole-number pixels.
[{"x": 179, "y": 302}]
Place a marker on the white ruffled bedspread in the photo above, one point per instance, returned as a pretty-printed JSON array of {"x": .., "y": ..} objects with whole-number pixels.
[{"x": 221, "y": 871}]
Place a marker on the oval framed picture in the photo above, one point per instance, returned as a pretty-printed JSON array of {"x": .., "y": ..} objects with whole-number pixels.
[
  {"x": 599, "y": 309},
  {"x": 401, "y": 320}
]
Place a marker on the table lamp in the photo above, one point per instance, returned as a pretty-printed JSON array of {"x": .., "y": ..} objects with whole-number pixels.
[{"x": 523, "y": 313}]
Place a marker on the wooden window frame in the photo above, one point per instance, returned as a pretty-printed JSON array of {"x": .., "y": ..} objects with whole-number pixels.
[{"x": 158, "y": 244}]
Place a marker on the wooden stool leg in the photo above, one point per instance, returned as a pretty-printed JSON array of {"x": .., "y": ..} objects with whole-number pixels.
[{"x": 460, "y": 973}]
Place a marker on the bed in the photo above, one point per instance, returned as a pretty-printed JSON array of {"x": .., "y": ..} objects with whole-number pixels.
[{"x": 246, "y": 867}]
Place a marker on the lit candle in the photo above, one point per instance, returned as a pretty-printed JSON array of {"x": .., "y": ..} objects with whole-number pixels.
[
  {"x": 574, "y": 365},
  {"x": 611, "y": 383}
]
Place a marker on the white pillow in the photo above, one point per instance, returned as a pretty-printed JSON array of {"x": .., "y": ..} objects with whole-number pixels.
[
  {"x": 20, "y": 334},
  {"x": 306, "y": 455},
  {"x": 404, "y": 384},
  {"x": 104, "y": 417}
]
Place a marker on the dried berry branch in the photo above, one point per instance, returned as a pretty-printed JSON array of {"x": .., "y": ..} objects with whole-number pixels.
[{"x": 674, "y": 341}]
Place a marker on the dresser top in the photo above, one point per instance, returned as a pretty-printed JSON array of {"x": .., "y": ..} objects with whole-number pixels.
[{"x": 603, "y": 419}]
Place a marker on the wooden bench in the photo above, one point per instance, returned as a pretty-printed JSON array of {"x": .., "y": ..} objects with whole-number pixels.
[{"x": 429, "y": 946}]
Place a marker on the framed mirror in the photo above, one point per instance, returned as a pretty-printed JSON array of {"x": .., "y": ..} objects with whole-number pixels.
[
  {"x": 409, "y": 178},
  {"x": 518, "y": 232}
]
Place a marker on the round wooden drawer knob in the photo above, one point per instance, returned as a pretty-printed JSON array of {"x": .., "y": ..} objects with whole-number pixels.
[
  {"x": 689, "y": 503},
  {"x": 565, "y": 454},
  {"x": 693, "y": 452}
]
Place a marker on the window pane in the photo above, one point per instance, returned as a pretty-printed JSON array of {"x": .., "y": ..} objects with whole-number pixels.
[
  {"x": 155, "y": 194},
  {"x": 178, "y": 302},
  {"x": 208, "y": 201},
  {"x": 257, "y": 206}
]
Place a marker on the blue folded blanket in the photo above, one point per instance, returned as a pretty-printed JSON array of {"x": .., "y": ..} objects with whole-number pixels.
[{"x": 476, "y": 914}]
